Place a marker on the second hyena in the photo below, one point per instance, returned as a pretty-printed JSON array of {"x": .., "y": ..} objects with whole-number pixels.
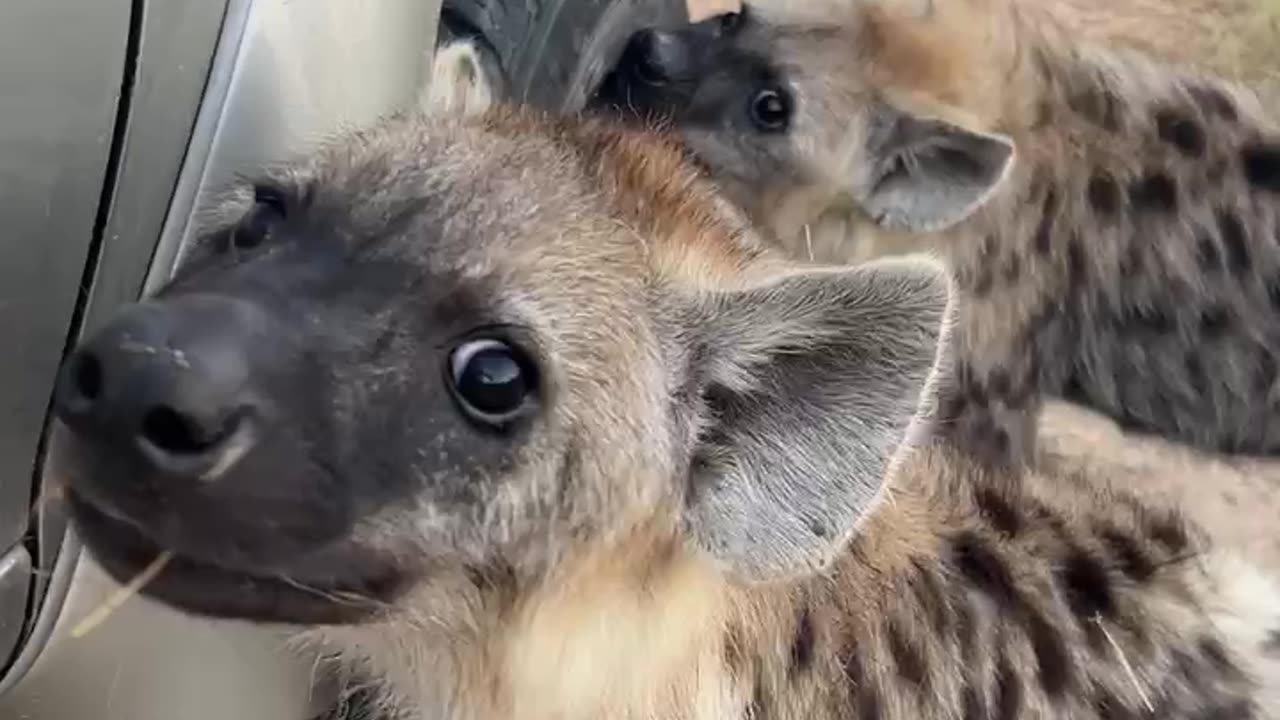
[{"x": 1114, "y": 223}]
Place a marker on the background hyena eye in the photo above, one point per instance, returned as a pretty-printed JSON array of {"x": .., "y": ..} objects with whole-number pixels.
[
  {"x": 491, "y": 380},
  {"x": 256, "y": 226},
  {"x": 771, "y": 110}
]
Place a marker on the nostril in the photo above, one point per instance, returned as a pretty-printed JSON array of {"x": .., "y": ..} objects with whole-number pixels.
[
  {"x": 173, "y": 432},
  {"x": 87, "y": 377}
]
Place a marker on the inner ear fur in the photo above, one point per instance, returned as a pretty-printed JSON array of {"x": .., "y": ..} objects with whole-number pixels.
[
  {"x": 924, "y": 174},
  {"x": 814, "y": 385}
]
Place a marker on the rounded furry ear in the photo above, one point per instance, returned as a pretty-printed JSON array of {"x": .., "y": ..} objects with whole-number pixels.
[
  {"x": 922, "y": 174},
  {"x": 814, "y": 384}
]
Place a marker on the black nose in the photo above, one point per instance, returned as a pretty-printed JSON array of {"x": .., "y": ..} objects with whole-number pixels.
[
  {"x": 653, "y": 56},
  {"x": 169, "y": 380}
]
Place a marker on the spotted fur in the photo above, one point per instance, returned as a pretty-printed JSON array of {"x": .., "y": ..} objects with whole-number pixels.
[
  {"x": 720, "y": 501},
  {"x": 1128, "y": 260}
]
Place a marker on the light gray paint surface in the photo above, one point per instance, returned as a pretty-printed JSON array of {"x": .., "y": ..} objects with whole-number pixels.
[{"x": 286, "y": 73}]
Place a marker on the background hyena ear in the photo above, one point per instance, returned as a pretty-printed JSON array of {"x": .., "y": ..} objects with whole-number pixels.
[
  {"x": 923, "y": 174},
  {"x": 459, "y": 84},
  {"x": 814, "y": 383}
]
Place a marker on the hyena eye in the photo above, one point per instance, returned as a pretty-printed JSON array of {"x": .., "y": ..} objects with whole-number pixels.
[
  {"x": 771, "y": 110},
  {"x": 491, "y": 381},
  {"x": 269, "y": 208}
]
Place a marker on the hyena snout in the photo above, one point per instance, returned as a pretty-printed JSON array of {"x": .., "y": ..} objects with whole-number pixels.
[
  {"x": 172, "y": 383},
  {"x": 654, "y": 58}
]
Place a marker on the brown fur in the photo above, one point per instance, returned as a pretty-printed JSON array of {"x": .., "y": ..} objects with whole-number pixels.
[{"x": 962, "y": 593}]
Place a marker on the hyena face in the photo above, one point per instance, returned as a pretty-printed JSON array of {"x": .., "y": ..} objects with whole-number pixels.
[
  {"x": 782, "y": 96},
  {"x": 453, "y": 344}
]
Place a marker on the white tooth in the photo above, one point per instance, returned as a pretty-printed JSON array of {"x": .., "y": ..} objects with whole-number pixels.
[{"x": 238, "y": 444}]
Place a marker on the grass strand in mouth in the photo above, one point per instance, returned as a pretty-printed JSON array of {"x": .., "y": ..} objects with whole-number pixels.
[{"x": 118, "y": 598}]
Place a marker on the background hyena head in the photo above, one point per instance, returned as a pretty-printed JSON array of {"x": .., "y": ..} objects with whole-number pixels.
[
  {"x": 791, "y": 103},
  {"x": 457, "y": 344}
]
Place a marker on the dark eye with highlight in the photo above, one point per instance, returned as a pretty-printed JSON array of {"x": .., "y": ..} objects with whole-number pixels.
[
  {"x": 771, "y": 110},
  {"x": 269, "y": 209},
  {"x": 492, "y": 381}
]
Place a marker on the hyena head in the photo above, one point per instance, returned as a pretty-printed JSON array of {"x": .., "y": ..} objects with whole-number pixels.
[
  {"x": 833, "y": 101},
  {"x": 486, "y": 341}
]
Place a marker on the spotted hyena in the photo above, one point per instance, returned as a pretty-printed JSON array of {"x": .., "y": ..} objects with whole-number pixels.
[
  {"x": 1113, "y": 222},
  {"x": 519, "y": 417}
]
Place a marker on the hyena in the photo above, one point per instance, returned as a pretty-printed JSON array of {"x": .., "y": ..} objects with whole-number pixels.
[
  {"x": 1113, "y": 222},
  {"x": 515, "y": 414}
]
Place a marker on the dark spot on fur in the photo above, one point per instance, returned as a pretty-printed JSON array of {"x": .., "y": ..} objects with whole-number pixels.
[
  {"x": 1273, "y": 293},
  {"x": 1000, "y": 443},
  {"x": 1044, "y": 229},
  {"x": 983, "y": 281},
  {"x": 1103, "y": 194},
  {"x": 966, "y": 630},
  {"x": 758, "y": 710},
  {"x": 1108, "y": 707},
  {"x": 1154, "y": 192},
  {"x": 1180, "y": 131},
  {"x": 999, "y": 382},
  {"x": 1272, "y": 644},
  {"x": 1236, "y": 241},
  {"x": 982, "y": 566},
  {"x": 1214, "y": 320},
  {"x": 1133, "y": 261},
  {"x": 1262, "y": 166},
  {"x": 1012, "y": 268},
  {"x": 1008, "y": 691},
  {"x": 802, "y": 644},
  {"x": 862, "y": 694},
  {"x": 1050, "y": 649},
  {"x": 1097, "y": 105},
  {"x": 817, "y": 528},
  {"x": 997, "y": 511},
  {"x": 1168, "y": 530},
  {"x": 1086, "y": 585},
  {"x": 1044, "y": 114},
  {"x": 497, "y": 579},
  {"x": 868, "y": 701},
  {"x": 1213, "y": 101},
  {"x": 1152, "y": 319},
  {"x": 1132, "y": 559},
  {"x": 1196, "y": 375},
  {"x": 1264, "y": 375},
  {"x": 1207, "y": 253},
  {"x": 1217, "y": 656},
  {"x": 977, "y": 392},
  {"x": 972, "y": 705},
  {"x": 906, "y": 656},
  {"x": 734, "y": 659},
  {"x": 1075, "y": 263},
  {"x": 954, "y": 406},
  {"x": 928, "y": 591},
  {"x": 1239, "y": 709},
  {"x": 1073, "y": 389}
]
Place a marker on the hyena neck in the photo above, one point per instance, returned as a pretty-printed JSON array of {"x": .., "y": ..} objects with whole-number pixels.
[{"x": 963, "y": 596}]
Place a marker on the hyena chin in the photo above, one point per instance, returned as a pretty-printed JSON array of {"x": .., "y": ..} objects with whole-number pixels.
[{"x": 519, "y": 418}]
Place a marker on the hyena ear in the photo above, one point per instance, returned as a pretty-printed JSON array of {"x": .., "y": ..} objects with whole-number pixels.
[
  {"x": 923, "y": 174},
  {"x": 814, "y": 384},
  {"x": 459, "y": 84}
]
